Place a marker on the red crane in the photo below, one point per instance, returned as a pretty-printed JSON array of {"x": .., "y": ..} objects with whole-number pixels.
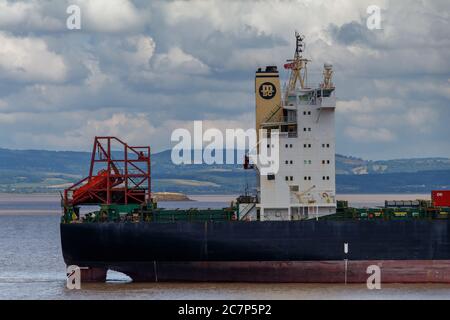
[{"x": 119, "y": 174}]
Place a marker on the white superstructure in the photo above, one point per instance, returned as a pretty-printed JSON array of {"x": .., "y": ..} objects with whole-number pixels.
[{"x": 304, "y": 186}]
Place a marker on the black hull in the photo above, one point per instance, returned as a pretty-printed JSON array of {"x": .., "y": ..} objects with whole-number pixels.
[{"x": 287, "y": 251}]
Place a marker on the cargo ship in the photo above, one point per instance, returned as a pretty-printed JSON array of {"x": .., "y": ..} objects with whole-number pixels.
[{"x": 291, "y": 230}]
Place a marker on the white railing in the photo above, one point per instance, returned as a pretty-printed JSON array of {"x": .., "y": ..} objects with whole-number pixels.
[
  {"x": 247, "y": 209},
  {"x": 326, "y": 102}
]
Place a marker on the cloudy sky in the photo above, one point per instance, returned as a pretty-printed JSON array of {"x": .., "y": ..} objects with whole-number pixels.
[{"x": 139, "y": 69}]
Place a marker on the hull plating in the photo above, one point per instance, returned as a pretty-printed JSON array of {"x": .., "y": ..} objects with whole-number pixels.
[{"x": 302, "y": 251}]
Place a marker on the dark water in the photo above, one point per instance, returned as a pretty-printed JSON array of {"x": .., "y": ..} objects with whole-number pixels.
[{"x": 31, "y": 267}]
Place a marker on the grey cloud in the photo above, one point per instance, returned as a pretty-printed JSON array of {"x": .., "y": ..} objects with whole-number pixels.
[
  {"x": 352, "y": 33},
  {"x": 201, "y": 66}
]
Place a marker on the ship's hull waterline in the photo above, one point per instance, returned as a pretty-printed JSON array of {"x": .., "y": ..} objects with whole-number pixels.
[
  {"x": 283, "y": 251},
  {"x": 391, "y": 271}
]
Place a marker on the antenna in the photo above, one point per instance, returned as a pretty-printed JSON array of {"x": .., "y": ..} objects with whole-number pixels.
[
  {"x": 297, "y": 66},
  {"x": 300, "y": 46}
]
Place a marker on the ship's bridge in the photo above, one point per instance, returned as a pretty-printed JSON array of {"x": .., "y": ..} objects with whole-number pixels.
[{"x": 317, "y": 98}]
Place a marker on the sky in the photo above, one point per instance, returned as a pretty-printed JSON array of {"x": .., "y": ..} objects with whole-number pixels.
[{"x": 140, "y": 69}]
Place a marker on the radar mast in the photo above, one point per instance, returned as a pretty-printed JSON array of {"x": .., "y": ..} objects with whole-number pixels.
[{"x": 297, "y": 66}]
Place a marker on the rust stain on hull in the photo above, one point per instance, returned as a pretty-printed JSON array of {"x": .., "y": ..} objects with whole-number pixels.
[{"x": 392, "y": 271}]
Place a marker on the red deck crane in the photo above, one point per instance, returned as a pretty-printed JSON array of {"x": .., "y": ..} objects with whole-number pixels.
[{"x": 118, "y": 174}]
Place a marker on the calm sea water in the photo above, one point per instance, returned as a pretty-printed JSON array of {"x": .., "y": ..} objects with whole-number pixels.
[{"x": 31, "y": 266}]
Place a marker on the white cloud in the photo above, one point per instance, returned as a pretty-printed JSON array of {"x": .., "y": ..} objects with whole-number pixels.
[
  {"x": 144, "y": 49},
  {"x": 27, "y": 15},
  {"x": 29, "y": 59},
  {"x": 110, "y": 16},
  {"x": 176, "y": 60},
  {"x": 6, "y": 118},
  {"x": 423, "y": 118},
  {"x": 141, "y": 63},
  {"x": 3, "y": 104},
  {"x": 366, "y": 105},
  {"x": 270, "y": 17},
  {"x": 96, "y": 78},
  {"x": 370, "y": 135},
  {"x": 132, "y": 128}
]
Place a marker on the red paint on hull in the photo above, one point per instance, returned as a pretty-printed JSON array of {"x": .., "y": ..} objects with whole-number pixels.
[
  {"x": 392, "y": 271},
  {"x": 93, "y": 274}
]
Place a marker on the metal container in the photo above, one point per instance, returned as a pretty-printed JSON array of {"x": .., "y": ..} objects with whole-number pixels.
[{"x": 441, "y": 198}]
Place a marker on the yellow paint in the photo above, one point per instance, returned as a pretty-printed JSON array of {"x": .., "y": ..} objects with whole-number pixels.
[{"x": 268, "y": 98}]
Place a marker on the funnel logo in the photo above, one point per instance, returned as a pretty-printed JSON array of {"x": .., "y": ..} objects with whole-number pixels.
[{"x": 267, "y": 90}]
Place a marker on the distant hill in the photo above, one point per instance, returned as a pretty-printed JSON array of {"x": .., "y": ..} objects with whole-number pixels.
[
  {"x": 351, "y": 165},
  {"x": 49, "y": 171}
]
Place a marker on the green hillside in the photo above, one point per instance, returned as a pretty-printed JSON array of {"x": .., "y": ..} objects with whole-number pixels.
[{"x": 25, "y": 171}]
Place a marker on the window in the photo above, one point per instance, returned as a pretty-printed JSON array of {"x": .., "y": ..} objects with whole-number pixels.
[
  {"x": 292, "y": 162},
  {"x": 323, "y": 145},
  {"x": 309, "y": 112},
  {"x": 305, "y": 145},
  {"x": 323, "y": 161},
  {"x": 328, "y": 145},
  {"x": 268, "y": 146},
  {"x": 294, "y": 188},
  {"x": 304, "y": 113},
  {"x": 309, "y": 129},
  {"x": 309, "y": 145},
  {"x": 290, "y": 146},
  {"x": 328, "y": 161},
  {"x": 291, "y": 178},
  {"x": 309, "y": 178},
  {"x": 270, "y": 177},
  {"x": 309, "y": 162},
  {"x": 328, "y": 178},
  {"x": 286, "y": 162},
  {"x": 286, "y": 178},
  {"x": 306, "y": 178},
  {"x": 286, "y": 145}
]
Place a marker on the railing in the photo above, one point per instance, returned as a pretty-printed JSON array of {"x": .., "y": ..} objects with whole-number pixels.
[
  {"x": 326, "y": 102},
  {"x": 283, "y": 120},
  {"x": 247, "y": 210},
  {"x": 290, "y": 119},
  {"x": 288, "y": 134}
]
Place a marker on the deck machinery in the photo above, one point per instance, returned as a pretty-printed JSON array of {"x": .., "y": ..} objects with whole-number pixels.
[{"x": 119, "y": 183}]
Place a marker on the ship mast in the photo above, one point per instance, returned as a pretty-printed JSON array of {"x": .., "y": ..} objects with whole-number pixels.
[{"x": 297, "y": 66}]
